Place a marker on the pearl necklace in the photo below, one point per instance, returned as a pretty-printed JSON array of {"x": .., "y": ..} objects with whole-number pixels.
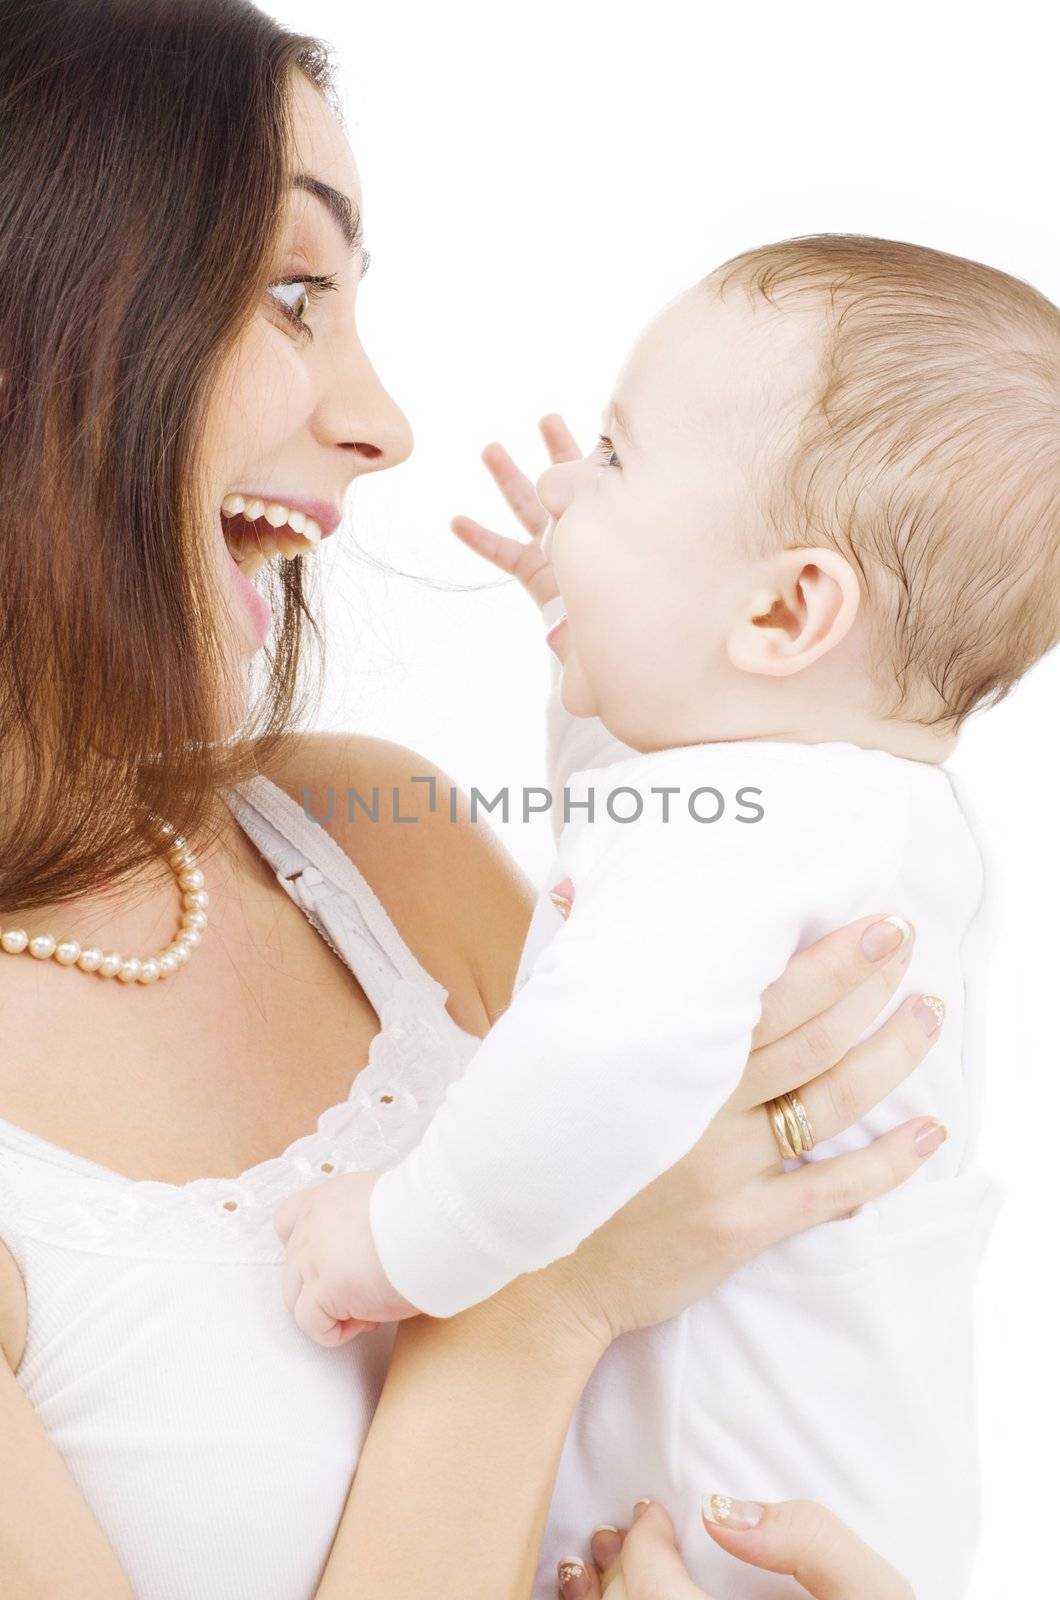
[{"x": 129, "y": 969}]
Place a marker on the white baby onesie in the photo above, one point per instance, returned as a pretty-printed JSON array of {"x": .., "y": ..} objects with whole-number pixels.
[
  {"x": 836, "y": 1366},
  {"x": 631, "y": 1023}
]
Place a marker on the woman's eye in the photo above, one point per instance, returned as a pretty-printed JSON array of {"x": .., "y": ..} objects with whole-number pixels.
[
  {"x": 604, "y": 444},
  {"x": 311, "y": 288}
]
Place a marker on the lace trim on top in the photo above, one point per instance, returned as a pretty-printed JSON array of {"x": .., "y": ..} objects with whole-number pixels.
[
  {"x": 417, "y": 1052},
  {"x": 411, "y": 1061}
]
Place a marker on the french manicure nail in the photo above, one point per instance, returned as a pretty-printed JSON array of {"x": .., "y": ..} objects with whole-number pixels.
[
  {"x": 726, "y": 1512},
  {"x": 606, "y": 1546},
  {"x": 573, "y": 1580},
  {"x": 929, "y": 1011},
  {"x": 639, "y": 1508},
  {"x": 929, "y": 1136},
  {"x": 884, "y": 937}
]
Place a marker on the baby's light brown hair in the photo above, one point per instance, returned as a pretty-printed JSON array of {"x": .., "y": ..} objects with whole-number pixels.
[{"x": 929, "y": 457}]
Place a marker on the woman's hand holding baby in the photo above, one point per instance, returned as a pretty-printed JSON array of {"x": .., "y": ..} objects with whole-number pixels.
[
  {"x": 333, "y": 1283},
  {"x": 795, "y": 1537},
  {"x": 735, "y": 1196},
  {"x": 732, "y": 1194}
]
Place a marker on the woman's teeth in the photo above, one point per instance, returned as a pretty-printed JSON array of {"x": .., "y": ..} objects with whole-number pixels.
[{"x": 285, "y": 532}]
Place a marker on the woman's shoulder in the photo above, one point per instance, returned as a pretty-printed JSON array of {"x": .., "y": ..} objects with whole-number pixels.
[{"x": 456, "y": 896}]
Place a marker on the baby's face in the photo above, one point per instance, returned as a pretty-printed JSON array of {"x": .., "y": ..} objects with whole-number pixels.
[{"x": 654, "y": 542}]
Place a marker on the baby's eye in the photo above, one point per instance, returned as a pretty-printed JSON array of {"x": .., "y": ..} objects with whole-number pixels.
[{"x": 604, "y": 444}]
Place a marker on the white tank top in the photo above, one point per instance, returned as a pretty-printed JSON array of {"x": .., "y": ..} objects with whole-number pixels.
[{"x": 215, "y": 1442}]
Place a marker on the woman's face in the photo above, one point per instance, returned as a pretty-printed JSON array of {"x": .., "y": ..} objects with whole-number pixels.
[{"x": 299, "y": 410}]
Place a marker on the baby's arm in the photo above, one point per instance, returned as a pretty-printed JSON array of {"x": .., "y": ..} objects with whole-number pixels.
[{"x": 630, "y": 1032}]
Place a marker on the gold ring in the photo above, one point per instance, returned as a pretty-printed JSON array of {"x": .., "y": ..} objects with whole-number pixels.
[
  {"x": 806, "y": 1137},
  {"x": 780, "y": 1131},
  {"x": 791, "y": 1126},
  {"x": 791, "y": 1122}
]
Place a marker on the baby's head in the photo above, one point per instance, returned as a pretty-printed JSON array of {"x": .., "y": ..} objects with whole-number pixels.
[{"x": 828, "y": 505}]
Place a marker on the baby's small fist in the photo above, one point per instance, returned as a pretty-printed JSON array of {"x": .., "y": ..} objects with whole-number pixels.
[{"x": 333, "y": 1282}]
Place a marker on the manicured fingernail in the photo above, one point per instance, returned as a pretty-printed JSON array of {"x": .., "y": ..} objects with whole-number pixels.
[
  {"x": 573, "y": 1580},
  {"x": 884, "y": 937},
  {"x": 639, "y": 1508},
  {"x": 726, "y": 1512},
  {"x": 929, "y": 1136},
  {"x": 562, "y": 896},
  {"x": 606, "y": 1546},
  {"x": 929, "y": 1011}
]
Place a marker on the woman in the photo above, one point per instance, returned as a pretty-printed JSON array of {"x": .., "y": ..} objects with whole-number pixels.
[
  {"x": 181, "y": 215},
  {"x": 797, "y": 1538}
]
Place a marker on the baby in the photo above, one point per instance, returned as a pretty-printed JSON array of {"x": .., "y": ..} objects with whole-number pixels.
[{"x": 822, "y": 530}]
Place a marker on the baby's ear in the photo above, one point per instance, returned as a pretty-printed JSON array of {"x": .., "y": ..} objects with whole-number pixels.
[{"x": 803, "y": 603}]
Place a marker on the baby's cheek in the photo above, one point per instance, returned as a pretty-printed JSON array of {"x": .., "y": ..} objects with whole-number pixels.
[{"x": 562, "y": 896}]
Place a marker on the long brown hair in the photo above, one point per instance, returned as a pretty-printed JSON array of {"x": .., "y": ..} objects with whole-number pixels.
[{"x": 144, "y": 167}]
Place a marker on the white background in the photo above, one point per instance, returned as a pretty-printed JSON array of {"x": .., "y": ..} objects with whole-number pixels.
[{"x": 539, "y": 179}]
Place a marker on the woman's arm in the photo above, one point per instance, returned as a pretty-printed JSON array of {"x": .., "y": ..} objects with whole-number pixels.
[
  {"x": 452, "y": 1491},
  {"x": 50, "y": 1543},
  {"x": 454, "y": 1482},
  {"x": 457, "y": 1472}
]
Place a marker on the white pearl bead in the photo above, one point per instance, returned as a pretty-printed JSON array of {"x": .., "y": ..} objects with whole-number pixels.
[{"x": 110, "y": 964}]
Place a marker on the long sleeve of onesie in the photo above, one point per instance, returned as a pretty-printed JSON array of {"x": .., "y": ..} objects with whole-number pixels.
[{"x": 633, "y": 1026}]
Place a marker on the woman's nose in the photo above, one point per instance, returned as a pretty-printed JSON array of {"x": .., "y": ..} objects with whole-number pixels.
[{"x": 374, "y": 427}]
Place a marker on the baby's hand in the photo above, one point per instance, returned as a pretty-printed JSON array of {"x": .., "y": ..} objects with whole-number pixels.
[
  {"x": 527, "y": 562},
  {"x": 333, "y": 1284}
]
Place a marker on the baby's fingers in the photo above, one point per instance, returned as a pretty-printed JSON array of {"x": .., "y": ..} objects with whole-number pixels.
[
  {"x": 517, "y": 489},
  {"x": 314, "y": 1319},
  {"x": 513, "y": 556},
  {"x": 562, "y": 445}
]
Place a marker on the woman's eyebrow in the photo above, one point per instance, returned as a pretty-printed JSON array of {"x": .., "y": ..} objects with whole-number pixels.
[{"x": 339, "y": 207}]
